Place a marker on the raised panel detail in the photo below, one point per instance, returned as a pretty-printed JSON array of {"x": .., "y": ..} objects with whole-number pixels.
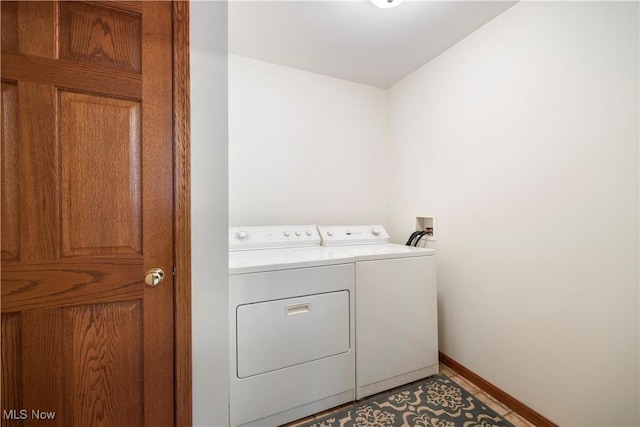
[
  {"x": 10, "y": 177},
  {"x": 11, "y": 366},
  {"x": 103, "y": 364},
  {"x": 100, "y": 36},
  {"x": 101, "y": 175},
  {"x": 39, "y": 176}
]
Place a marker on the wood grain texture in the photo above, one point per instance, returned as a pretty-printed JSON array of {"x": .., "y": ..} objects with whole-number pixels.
[
  {"x": 100, "y": 36},
  {"x": 101, "y": 172},
  {"x": 29, "y": 287},
  {"x": 133, "y": 6},
  {"x": 37, "y": 22},
  {"x": 157, "y": 152},
  {"x": 182, "y": 215},
  {"x": 10, "y": 171},
  {"x": 11, "y": 387},
  {"x": 42, "y": 375},
  {"x": 70, "y": 75},
  {"x": 94, "y": 343},
  {"x": 39, "y": 182},
  {"x": 9, "y": 14},
  {"x": 513, "y": 403},
  {"x": 101, "y": 390}
]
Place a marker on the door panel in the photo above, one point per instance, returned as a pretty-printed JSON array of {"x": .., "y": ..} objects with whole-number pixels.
[
  {"x": 101, "y": 168},
  {"x": 110, "y": 331},
  {"x": 87, "y": 208},
  {"x": 38, "y": 177},
  {"x": 113, "y": 41},
  {"x": 10, "y": 169}
]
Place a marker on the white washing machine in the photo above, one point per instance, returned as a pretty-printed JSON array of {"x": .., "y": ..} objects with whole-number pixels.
[
  {"x": 291, "y": 310},
  {"x": 396, "y": 307}
]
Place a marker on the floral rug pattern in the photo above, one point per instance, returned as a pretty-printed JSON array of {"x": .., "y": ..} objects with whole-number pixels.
[{"x": 435, "y": 402}]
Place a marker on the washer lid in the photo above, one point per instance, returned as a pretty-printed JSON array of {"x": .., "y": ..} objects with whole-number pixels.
[
  {"x": 256, "y": 261},
  {"x": 385, "y": 251}
]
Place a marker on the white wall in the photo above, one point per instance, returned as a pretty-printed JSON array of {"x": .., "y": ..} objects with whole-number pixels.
[
  {"x": 304, "y": 148},
  {"x": 209, "y": 214},
  {"x": 528, "y": 135}
]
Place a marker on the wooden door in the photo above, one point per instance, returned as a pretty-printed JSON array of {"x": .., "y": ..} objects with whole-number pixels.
[{"x": 87, "y": 202}]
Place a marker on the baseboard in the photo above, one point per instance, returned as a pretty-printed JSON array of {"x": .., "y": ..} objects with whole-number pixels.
[{"x": 523, "y": 410}]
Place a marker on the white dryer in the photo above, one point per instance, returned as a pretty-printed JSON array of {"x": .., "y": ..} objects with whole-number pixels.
[
  {"x": 396, "y": 307},
  {"x": 291, "y": 325}
]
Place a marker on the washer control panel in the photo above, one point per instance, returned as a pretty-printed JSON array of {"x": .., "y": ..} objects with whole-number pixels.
[
  {"x": 269, "y": 237},
  {"x": 353, "y": 235}
]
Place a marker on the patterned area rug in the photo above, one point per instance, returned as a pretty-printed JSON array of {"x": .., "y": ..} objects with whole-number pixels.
[{"x": 434, "y": 402}]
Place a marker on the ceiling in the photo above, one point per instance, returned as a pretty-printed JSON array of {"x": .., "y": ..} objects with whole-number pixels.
[{"x": 354, "y": 40}]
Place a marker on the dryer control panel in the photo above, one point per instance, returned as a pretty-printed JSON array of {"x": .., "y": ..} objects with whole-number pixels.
[
  {"x": 271, "y": 237},
  {"x": 353, "y": 235}
]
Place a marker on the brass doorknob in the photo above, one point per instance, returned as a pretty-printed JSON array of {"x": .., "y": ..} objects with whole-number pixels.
[{"x": 154, "y": 276}]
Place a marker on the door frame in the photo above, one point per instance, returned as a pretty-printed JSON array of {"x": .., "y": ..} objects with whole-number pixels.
[{"x": 182, "y": 214}]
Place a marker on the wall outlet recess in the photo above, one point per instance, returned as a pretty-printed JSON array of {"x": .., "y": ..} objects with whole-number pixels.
[{"x": 429, "y": 223}]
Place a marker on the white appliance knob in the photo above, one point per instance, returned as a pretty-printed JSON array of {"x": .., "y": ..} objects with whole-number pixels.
[
  {"x": 298, "y": 233},
  {"x": 375, "y": 232},
  {"x": 242, "y": 235},
  {"x": 287, "y": 234},
  {"x": 329, "y": 233},
  {"x": 308, "y": 233}
]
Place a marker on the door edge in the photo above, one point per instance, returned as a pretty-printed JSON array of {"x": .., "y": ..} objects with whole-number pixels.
[{"x": 182, "y": 215}]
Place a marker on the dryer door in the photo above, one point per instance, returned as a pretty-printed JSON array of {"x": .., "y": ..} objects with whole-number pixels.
[{"x": 276, "y": 334}]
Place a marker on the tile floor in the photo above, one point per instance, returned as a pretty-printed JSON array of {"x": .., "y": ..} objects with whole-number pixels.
[{"x": 494, "y": 404}]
